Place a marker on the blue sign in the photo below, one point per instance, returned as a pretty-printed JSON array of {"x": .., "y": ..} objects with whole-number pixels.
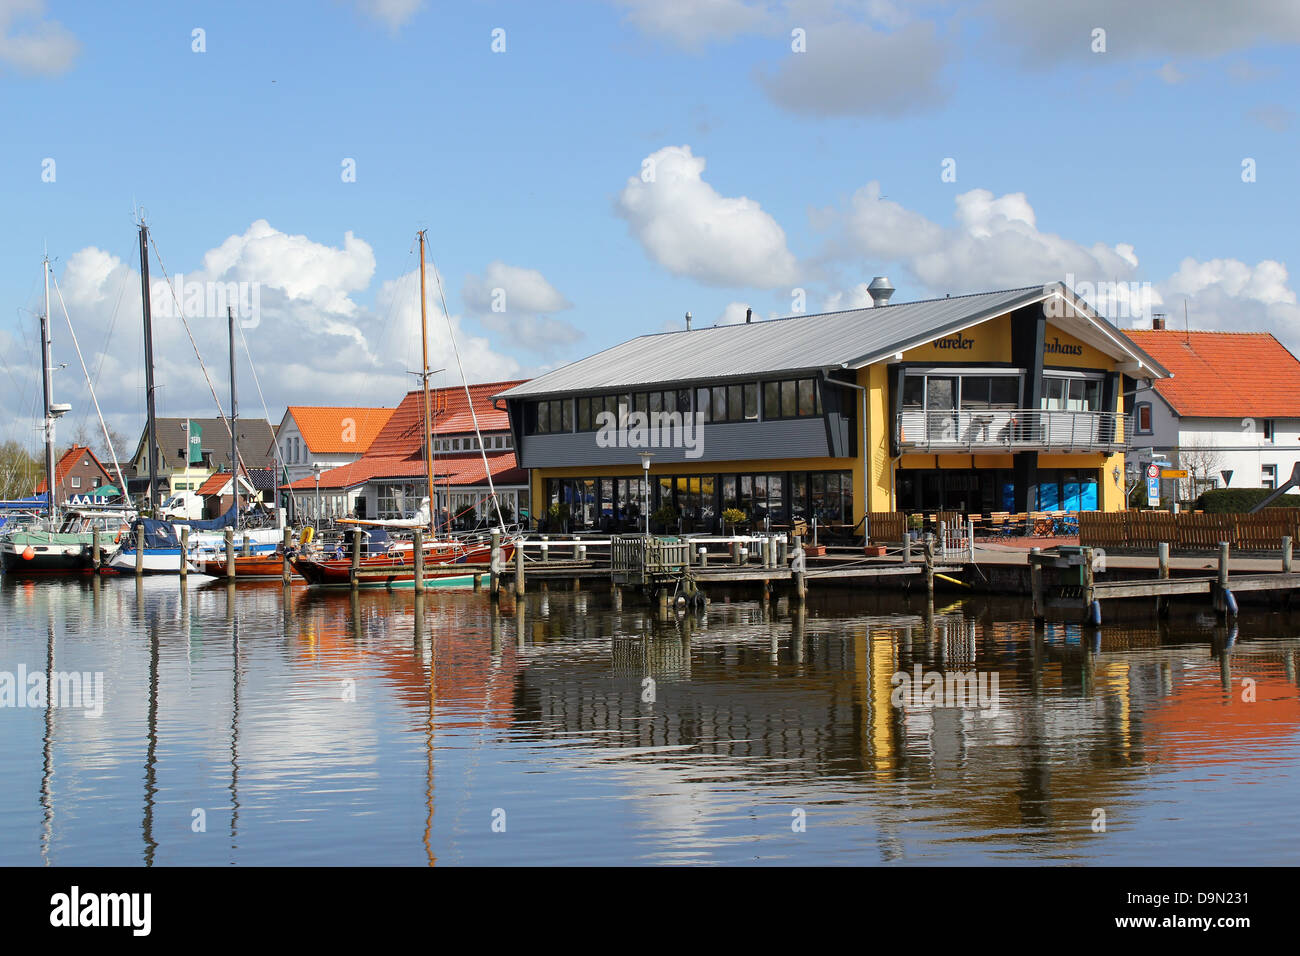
[{"x": 1153, "y": 492}]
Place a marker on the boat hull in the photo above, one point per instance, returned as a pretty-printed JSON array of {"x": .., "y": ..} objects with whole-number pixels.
[
  {"x": 439, "y": 565},
  {"x": 44, "y": 557},
  {"x": 259, "y": 567}
]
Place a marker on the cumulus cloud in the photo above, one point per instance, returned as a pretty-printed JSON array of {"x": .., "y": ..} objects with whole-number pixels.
[
  {"x": 1171, "y": 74},
  {"x": 514, "y": 302},
  {"x": 394, "y": 13},
  {"x": 30, "y": 43},
  {"x": 857, "y": 297},
  {"x": 1236, "y": 296},
  {"x": 312, "y": 340},
  {"x": 686, "y": 226},
  {"x": 854, "y": 69},
  {"x": 693, "y": 23}
]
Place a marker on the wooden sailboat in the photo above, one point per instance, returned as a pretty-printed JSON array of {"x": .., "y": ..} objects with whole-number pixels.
[{"x": 441, "y": 555}]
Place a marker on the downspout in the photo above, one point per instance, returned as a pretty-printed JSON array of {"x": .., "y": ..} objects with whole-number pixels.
[{"x": 866, "y": 508}]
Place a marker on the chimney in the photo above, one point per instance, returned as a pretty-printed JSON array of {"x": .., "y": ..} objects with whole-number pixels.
[
  {"x": 880, "y": 290},
  {"x": 688, "y": 321},
  {"x": 1158, "y": 321},
  {"x": 749, "y": 316}
]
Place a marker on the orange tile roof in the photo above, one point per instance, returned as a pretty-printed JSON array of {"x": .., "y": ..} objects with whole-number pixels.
[
  {"x": 339, "y": 430},
  {"x": 65, "y": 464},
  {"x": 400, "y": 437},
  {"x": 1224, "y": 374},
  {"x": 463, "y": 470}
]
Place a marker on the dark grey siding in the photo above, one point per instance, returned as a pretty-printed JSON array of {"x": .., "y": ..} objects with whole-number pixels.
[{"x": 738, "y": 441}]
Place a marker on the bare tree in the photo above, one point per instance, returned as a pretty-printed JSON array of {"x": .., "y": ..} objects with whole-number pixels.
[{"x": 1202, "y": 459}]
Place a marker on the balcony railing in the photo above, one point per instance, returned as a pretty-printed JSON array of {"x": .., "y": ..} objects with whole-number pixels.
[{"x": 1010, "y": 429}]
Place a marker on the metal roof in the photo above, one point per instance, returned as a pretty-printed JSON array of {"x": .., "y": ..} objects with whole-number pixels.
[{"x": 853, "y": 338}]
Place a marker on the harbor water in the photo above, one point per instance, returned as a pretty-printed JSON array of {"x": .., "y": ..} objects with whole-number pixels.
[{"x": 203, "y": 725}]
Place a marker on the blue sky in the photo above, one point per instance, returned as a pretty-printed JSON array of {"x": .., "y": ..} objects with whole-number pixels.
[{"x": 526, "y": 166}]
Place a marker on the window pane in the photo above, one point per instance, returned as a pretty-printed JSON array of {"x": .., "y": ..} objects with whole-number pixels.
[
  {"x": 684, "y": 400},
  {"x": 656, "y": 401},
  {"x": 751, "y": 402},
  {"x": 941, "y": 394},
  {"x": 703, "y": 404},
  {"x": 913, "y": 391},
  {"x": 974, "y": 391},
  {"x": 566, "y": 415},
  {"x": 735, "y": 402},
  {"x": 641, "y": 401},
  {"x": 543, "y": 417},
  {"x": 720, "y": 403},
  {"x": 1004, "y": 391},
  {"x": 807, "y": 397},
  {"x": 584, "y": 414},
  {"x": 771, "y": 399},
  {"x": 789, "y": 400}
]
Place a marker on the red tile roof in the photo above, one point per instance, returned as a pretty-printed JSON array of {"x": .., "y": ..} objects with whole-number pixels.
[
  {"x": 219, "y": 480},
  {"x": 463, "y": 470},
  {"x": 1224, "y": 374},
  {"x": 65, "y": 464},
  {"x": 339, "y": 430},
  {"x": 400, "y": 438}
]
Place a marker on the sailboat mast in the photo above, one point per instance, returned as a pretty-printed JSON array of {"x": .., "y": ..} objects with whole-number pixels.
[
  {"x": 428, "y": 416},
  {"x": 147, "y": 310},
  {"x": 51, "y": 493},
  {"x": 234, "y": 413}
]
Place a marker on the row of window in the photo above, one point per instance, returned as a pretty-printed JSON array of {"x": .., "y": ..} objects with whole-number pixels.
[
  {"x": 949, "y": 391},
  {"x": 739, "y": 402},
  {"x": 471, "y": 443},
  {"x": 698, "y": 501}
]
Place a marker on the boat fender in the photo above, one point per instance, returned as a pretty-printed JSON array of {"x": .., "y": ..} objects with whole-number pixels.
[{"x": 28, "y": 553}]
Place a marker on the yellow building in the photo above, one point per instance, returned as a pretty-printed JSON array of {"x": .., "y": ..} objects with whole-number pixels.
[{"x": 1000, "y": 401}]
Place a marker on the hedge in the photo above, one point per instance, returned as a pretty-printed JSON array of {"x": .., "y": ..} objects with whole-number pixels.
[{"x": 1240, "y": 500}]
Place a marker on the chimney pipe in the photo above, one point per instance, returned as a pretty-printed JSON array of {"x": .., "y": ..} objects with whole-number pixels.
[
  {"x": 1158, "y": 321},
  {"x": 688, "y": 321},
  {"x": 880, "y": 290},
  {"x": 749, "y": 316}
]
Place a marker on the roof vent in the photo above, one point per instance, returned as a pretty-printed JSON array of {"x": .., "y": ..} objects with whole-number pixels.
[
  {"x": 688, "y": 321},
  {"x": 880, "y": 290},
  {"x": 1158, "y": 321},
  {"x": 749, "y": 316}
]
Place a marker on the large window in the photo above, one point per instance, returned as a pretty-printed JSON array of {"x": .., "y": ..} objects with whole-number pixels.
[
  {"x": 728, "y": 403},
  {"x": 1072, "y": 394},
  {"x": 792, "y": 398},
  {"x": 590, "y": 408},
  {"x": 554, "y": 416}
]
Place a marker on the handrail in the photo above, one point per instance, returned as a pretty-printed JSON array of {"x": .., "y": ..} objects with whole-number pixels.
[{"x": 1007, "y": 429}]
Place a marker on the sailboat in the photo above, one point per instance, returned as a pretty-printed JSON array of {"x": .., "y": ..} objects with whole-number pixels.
[
  {"x": 65, "y": 543},
  {"x": 441, "y": 555},
  {"x": 162, "y": 548}
]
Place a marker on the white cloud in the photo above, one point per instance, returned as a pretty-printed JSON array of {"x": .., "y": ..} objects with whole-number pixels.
[
  {"x": 1233, "y": 295},
  {"x": 693, "y": 23},
  {"x": 853, "y": 69},
  {"x": 1171, "y": 74},
  {"x": 994, "y": 243},
  {"x": 394, "y": 13},
  {"x": 31, "y": 44},
  {"x": 734, "y": 313},
  {"x": 1273, "y": 116},
  {"x": 686, "y": 226},
  {"x": 510, "y": 288},
  {"x": 858, "y": 297}
]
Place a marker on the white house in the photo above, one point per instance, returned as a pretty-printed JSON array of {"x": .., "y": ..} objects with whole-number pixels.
[
  {"x": 318, "y": 438},
  {"x": 1229, "y": 415}
]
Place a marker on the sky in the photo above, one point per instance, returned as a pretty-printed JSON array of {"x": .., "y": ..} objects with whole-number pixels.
[{"x": 591, "y": 170}]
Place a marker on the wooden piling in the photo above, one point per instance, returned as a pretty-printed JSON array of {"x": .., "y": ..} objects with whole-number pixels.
[
  {"x": 248, "y": 547},
  {"x": 929, "y": 568},
  {"x": 1089, "y": 587},
  {"x": 970, "y": 539},
  {"x": 799, "y": 592},
  {"x": 286, "y": 542},
  {"x": 185, "y": 550},
  {"x": 494, "y": 567},
  {"x": 1286, "y": 554},
  {"x": 356, "y": 558},
  {"x": 478, "y": 580},
  {"x": 94, "y": 549},
  {"x": 1036, "y": 585},
  {"x": 704, "y": 556},
  {"x": 1221, "y": 599},
  {"x": 229, "y": 535},
  {"x": 1162, "y": 558},
  {"x": 520, "y": 584},
  {"x": 139, "y": 550},
  {"x": 907, "y": 546},
  {"x": 546, "y": 549},
  {"x": 418, "y": 556}
]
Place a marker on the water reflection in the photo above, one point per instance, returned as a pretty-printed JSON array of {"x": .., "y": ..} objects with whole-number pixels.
[{"x": 384, "y": 727}]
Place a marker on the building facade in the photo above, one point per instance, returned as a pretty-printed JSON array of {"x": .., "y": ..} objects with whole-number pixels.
[
  {"x": 1002, "y": 401},
  {"x": 326, "y": 436},
  {"x": 78, "y": 475},
  {"x": 1229, "y": 415},
  {"x": 191, "y": 450}
]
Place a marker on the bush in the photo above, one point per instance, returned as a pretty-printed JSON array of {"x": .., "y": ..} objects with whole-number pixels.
[
  {"x": 733, "y": 516},
  {"x": 1225, "y": 501}
]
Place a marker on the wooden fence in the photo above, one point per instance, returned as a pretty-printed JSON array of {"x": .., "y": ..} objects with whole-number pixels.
[
  {"x": 886, "y": 526},
  {"x": 1188, "y": 531}
]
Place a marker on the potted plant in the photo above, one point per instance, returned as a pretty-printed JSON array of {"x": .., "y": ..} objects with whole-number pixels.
[
  {"x": 730, "y": 518},
  {"x": 664, "y": 518},
  {"x": 557, "y": 518}
]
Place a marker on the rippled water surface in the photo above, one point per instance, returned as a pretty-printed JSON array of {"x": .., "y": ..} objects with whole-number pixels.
[{"x": 333, "y": 729}]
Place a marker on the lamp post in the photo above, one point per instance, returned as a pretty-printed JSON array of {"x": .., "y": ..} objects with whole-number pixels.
[
  {"x": 315, "y": 471},
  {"x": 645, "y": 484}
]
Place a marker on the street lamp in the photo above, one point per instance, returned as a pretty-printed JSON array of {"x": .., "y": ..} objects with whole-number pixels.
[
  {"x": 315, "y": 471},
  {"x": 645, "y": 484}
]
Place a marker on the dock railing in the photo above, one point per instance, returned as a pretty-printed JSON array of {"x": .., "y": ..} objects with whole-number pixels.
[
  {"x": 639, "y": 558},
  {"x": 1188, "y": 531}
]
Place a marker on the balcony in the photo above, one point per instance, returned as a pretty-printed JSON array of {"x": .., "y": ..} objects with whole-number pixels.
[{"x": 1009, "y": 430}]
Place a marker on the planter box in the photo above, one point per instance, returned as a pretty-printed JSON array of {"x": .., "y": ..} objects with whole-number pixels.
[
  {"x": 815, "y": 551},
  {"x": 874, "y": 550}
]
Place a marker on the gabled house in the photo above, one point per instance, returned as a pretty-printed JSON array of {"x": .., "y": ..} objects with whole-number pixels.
[
  {"x": 79, "y": 474},
  {"x": 1229, "y": 415},
  {"x": 191, "y": 450},
  {"x": 999, "y": 401},
  {"x": 390, "y": 480},
  {"x": 326, "y": 436}
]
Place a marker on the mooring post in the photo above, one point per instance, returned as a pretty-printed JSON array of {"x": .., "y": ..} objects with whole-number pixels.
[
  {"x": 1162, "y": 562},
  {"x": 478, "y": 580},
  {"x": 704, "y": 556},
  {"x": 418, "y": 544},
  {"x": 907, "y": 546},
  {"x": 1286, "y": 554},
  {"x": 1223, "y": 597},
  {"x": 139, "y": 549},
  {"x": 929, "y": 568},
  {"x": 229, "y": 535},
  {"x": 582, "y": 552},
  {"x": 546, "y": 549},
  {"x": 286, "y": 569},
  {"x": 356, "y": 558},
  {"x": 1036, "y": 585},
  {"x": 185, "y": 550},
  {"x": 970, "y": 539},
  {"x": 797, "y": 573},
  {"x": 494, "y": 567},
  {"x": 519, "y": 572},
  {"x": 94, "y": 549},
  {"x": 1091, "y": 606},
  {"x": 735, "y": 552},
  {"x": 248, "y": 549}
]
